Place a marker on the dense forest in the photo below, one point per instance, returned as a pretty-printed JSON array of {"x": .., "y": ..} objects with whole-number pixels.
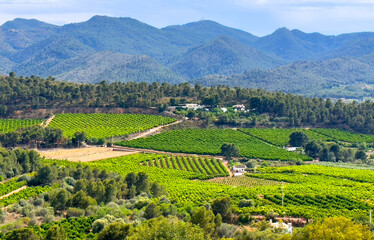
[{"x": 22, "y": 93}]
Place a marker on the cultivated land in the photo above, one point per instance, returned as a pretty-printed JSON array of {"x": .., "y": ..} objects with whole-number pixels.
[
  {"x": 84, "y": 154},
  {"x": 99, "y": 125},
  {"x": 311, "y": 191},
  {"x": 10, "y": 125},
  {"x": 203, "y": 141}
]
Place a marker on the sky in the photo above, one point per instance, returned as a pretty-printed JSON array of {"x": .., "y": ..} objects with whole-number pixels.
[{"x": 259, "y": 17}]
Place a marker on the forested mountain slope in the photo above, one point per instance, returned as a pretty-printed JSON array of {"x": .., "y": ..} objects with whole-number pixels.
[{"x": 335, "y": 65}]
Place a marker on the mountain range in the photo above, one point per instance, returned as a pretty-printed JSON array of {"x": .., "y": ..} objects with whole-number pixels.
[{"x": 205, "y": 52}]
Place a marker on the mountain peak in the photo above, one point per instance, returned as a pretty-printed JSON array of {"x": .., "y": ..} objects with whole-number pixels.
[{"x": 22, "y": 24}]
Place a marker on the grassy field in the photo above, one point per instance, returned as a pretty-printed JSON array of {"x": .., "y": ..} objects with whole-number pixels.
[
  {"x": 204, "y": 141},
  {"x": 99, "y": 125},
  {"x": 10, "y": 125}
]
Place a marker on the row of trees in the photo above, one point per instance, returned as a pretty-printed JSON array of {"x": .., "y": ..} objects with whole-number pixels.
[
  {"x": 325, "y": 152},
  {"x": 37, "y": 136},
  {"x": 34, "y": 92}
]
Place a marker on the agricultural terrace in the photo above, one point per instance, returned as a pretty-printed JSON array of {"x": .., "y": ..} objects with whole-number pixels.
[
  {"x": 309, "y": 191},
  {"x": 280, "y": 136},
  {"x": 209, "y": 141},
  {"x": 100, "y": 125},
  {"x": 10, "y": 125}
]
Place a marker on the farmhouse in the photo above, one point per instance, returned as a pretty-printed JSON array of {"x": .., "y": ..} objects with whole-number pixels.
[
  {"x": 239, "y": 170},
  {"x": 291, "y": 149},
  {"x": 193, "y": 106},
  {"x": 239, "y": 107}
]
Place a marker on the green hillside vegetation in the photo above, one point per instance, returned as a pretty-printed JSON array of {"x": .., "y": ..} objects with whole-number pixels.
[
  {"x": 267, "y": 109},
  {"x": 223, "y": 56},
  {"x": 311, "y": 191},
  {"x": 202, "y": 141},
  {"x": 114, "y": 67},
  {"x": 321, "y": 76},
  {"x": 106, "y": 125},
  {"x": 336, "y": 66}
]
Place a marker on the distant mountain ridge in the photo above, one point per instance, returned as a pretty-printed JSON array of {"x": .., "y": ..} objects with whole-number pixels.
[{"x": 125, "y": 49}]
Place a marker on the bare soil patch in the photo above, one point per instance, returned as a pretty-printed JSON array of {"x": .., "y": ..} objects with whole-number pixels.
[{"x": 87, "y": 154}]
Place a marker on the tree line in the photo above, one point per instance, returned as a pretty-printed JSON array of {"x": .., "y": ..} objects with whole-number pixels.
[{"x": 34, "y": 92}]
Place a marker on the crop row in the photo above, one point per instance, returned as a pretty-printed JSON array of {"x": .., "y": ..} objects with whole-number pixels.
[
  {"x": 209, "y": 141},
  {"x": 99, "y": 125},
  {"x": 244, "y": 181},
  {"x": 345, "y": 136},
  {"x": 184, "y": 190},
  {"x": 10, "y": 125},
  {"x": 206, "y": 166},
  {"x": 327, "y": 202}
]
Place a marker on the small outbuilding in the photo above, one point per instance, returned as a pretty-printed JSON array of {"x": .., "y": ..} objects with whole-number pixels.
[{"x": 239, "y": 170}]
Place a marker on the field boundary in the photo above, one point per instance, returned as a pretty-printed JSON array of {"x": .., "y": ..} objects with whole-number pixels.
[
  {"x": 151, "y": 131},
  {"x": 13, "y": 192},
  {"x": 48, "y": 121}
]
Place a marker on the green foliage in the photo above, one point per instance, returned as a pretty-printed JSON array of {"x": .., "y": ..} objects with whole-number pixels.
[
  {"x": 56, "y": 232},
  {"x": 209, "y": 141},
  {"x": 106, "y": 125},
  {"x": 167, "y": 228},
  {"x": 298, "y": 139},
  {"x": 10, "y": 186},
  {"x": 229, "y": 151},
  {"x": 22, "y": 234},
  {"x": 335, "y": 229},
  {"x": 10, "y": 125},
  {"x": 24, "y": 194},
  {"x": 115, "y": 231},
  {"x": 344, "y": 136},
  {"x": 204, "y": 166}
]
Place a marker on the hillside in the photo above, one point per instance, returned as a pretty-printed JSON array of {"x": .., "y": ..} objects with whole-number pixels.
[
  {"x": 125, "y": 49},
  {"x": 320, "y": 75},
  {"x": 224, "y": 56},
  {"x": 112, "y": 67}
]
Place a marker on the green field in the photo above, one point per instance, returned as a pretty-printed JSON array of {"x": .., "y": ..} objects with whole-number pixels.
[
  {"x": 345, "y": 136},
  {"x": 309, "y": 191},
  {"x": 10, "y": 125},
  {"x": 208, "y": 167},
  {"x": 280, "y": 137},
  {"x": 209, "y": 141},
  {"x": 99, "y": 125}
]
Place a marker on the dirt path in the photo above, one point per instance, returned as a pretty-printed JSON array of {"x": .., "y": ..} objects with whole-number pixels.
[
  {"x": 13, "y": 192},
  {"x": 46, "y": 123},
  {"x": 226, "y": 164},
  {"x": 151, "y": 131}
]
